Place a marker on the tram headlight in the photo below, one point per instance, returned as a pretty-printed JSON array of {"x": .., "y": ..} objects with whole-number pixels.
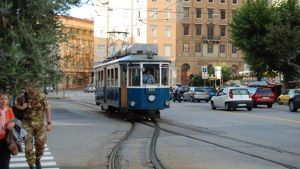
[
  {"x": 167, "y": 103},
  {"x": 132, "y": 103},
  {"x": 151, "y": 98}
]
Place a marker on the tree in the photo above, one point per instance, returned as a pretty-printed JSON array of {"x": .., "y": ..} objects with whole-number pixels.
[
  {"x": 284, "y": 40},
  {"x": 30, "y": 35},
  {"x": 248, "y": 32}
]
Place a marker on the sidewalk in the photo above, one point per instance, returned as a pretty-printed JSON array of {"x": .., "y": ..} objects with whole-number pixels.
[{"x": 58, "y": 95}]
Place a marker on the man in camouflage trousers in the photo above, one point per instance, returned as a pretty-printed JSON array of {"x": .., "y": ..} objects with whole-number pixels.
[{"x": 35, "y": 107}]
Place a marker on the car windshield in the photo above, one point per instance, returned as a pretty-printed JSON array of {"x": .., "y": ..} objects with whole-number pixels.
[
  {"x": 240, "y": 91},
  {"x": 264, "y": 91},
  {"x": 252, "y": 90}
]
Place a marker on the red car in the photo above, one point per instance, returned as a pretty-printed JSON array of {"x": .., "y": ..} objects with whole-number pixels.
[{"x": 262, "y": 96}]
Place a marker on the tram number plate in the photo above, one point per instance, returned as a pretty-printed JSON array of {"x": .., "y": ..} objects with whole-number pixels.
[{"x": 151, "y": 89}]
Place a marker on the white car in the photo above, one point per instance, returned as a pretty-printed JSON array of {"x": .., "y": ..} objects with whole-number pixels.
[{"x": 232, "y": 98}]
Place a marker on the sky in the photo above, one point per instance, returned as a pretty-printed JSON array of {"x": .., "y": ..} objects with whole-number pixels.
[{"x": 85, "y": 11}]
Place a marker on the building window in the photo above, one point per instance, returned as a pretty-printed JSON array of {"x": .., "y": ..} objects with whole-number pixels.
[
  {"x": 198, "y": 47},
  {"x": 153, "y": 0},
  {"x": 186, "y": 12},
  {"x": 186, "y": 29},
  {"x": 210, "y": 13},
  {"x": 153, "y": 31},
  {"x": 186, "y": 0},
  {"x": 210, "y": 30},
  {"x": 234, "y": 2},
  {"x": 210, "y": 1},
  {"x": 138, "y": 31},
  {"x": 168, "y": 50},
  {"x": 198, "y": 29},
  {"x": 222, "y": 30},
  {"x": 168, "y": 32},
  {"x": 154, "y": 13},
  {"x": 168, "y": 13},
  {"x": 223, "y": 1},
  {"x": 198, "y": 12},
  {"x": 168, "y": 1},
  {"x": 101, "y": 49},
  {"x": 198, "y": 0},
  {"x": 222, "y": 49},
  {"x": 222, "y": 13},
  {"x": 185, "y": 47},
  {"x": 234, "y": 49},
  {"x": 210, "y": 48}
]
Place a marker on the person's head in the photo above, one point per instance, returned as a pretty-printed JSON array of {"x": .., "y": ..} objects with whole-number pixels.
[
  {"x": 32, "y": 89},
  {"x": 3, "y": 100},
  {"x": 148, "y": 71}
]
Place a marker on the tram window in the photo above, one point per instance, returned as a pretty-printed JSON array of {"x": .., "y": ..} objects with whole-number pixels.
[
  {"x": 108, "y": 77},
  {"x": 116, "y": 77},
  {"x": 101, "y": 78},
  {"x": 134, "y": 75},
  {"x": 112, "y": 82},
  {"x": 151, "y": 71},
  {"x": 165, "y": 75}
]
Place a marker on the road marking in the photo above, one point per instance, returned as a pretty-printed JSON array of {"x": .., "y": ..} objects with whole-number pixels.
[
  {"x": 47, "y": 161},
  {"x": 270, "y": 118}
]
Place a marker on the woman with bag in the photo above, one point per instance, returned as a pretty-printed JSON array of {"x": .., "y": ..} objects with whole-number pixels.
[{"x": 6, "y": 115}]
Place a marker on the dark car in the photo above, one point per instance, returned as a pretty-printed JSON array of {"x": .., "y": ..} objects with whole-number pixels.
[
  {"x": 262, "y": 96},
  {"x": 294, "y": 103},
  {"x": 211, "y": 91}
]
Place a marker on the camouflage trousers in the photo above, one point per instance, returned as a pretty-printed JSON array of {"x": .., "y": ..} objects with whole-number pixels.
[{"x": 36, "y": 133}]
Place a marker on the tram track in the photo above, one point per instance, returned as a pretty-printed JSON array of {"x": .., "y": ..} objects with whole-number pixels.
[{"x": 227, "y": 147}]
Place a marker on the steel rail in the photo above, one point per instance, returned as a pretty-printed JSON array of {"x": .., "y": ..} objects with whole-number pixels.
[
  {"x": 152, "y": 153},
  {"x": 111, "y": 164}
]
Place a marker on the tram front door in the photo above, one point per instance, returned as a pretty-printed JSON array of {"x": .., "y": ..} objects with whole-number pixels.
[{"x": 124, "y": 86}]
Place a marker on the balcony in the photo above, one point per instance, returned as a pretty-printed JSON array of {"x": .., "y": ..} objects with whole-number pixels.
[{"x": 211, "y": 38}]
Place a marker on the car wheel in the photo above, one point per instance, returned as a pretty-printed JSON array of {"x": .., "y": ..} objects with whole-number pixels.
[
  {"x": 97, "y": 103},
  {"x": 279, "y": 102},
  {"x": 269, "y": 105},
  {"x": 227, "y": 106},
  {"x": 292, "y": 106},
  {"x": 213, "y": 106},
  {"x": 249, "y": 108}
]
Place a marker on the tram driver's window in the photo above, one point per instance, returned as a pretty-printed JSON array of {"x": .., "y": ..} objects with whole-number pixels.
[
  {"x": 165, "y": 75},
  {"x": 134, "y": 75},
  {"x": 151, "y": 73}
]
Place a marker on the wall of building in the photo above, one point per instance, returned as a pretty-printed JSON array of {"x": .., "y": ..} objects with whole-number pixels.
[{"x": 78, "y": 53}]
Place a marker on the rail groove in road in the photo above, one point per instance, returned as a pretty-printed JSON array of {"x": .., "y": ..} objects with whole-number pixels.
[
  {"x": 154, "y": 159},
  {"x": 19, "y": 161},
  {"x": 225, "y": 147},
  {"x": 111, "y": 163}
]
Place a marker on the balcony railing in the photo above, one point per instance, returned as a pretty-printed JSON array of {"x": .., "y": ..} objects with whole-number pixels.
[{"x": 211, "y": 38}]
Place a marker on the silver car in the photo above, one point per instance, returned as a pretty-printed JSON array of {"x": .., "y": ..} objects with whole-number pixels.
[{"x": 196, "y": 94}]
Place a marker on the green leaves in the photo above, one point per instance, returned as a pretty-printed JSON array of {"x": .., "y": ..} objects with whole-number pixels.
[
  {"x": 30, "y": 34},
  {"x": 269, "y": 36}
]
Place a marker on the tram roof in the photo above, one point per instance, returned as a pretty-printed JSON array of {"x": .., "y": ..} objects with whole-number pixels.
[{"x": 135, "y": 58}]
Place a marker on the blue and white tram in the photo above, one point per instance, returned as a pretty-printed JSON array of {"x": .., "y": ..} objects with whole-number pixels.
[{"x": 135, "y": 82}]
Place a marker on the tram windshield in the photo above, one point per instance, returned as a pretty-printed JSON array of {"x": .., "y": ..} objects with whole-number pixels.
[{"x": 148, "y": 74}]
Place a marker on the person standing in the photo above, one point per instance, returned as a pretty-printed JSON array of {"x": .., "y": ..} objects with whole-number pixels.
[
  {"x": 6, "y": 115},
  {"x": 35, "y": 108}
]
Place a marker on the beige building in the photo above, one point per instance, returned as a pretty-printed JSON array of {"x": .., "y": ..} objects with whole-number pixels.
[
  {"x": 191, "y": 33},
  {"x": 203, "y": 36},
  {"x": 78, "y": 53}
]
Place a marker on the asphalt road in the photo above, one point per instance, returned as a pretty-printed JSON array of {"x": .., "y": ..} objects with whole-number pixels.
[{"x": 263, "y": 138}]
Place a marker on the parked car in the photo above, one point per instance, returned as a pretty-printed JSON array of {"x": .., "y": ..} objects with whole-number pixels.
[
  {"x": 287, "y": 95},
  {"x": 211, "y": 91},
  {"x": 196, "y": 94},
  {"x": 89, "y": 88},
  {"x": 294, "y": 103},
  {"x": 232, "y": 98},
  {"x": 262, "y": 96}
]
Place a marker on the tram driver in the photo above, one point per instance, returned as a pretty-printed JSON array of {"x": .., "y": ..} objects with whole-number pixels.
[{"x": 148, "y": 78}]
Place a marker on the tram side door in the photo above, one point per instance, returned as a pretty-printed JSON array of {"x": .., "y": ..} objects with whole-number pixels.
[{"x": 123, "y": 86}]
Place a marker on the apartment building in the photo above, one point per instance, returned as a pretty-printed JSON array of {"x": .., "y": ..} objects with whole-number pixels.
[
  {"x": 203, "y": 36},
  {"x": 78, "y": 53},
  {"x": 190, "y": 33}
]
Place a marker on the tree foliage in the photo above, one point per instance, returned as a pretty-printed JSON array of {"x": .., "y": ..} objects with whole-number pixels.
[
  {"x": 269, "y": 36},
  {"x": 30, "y": 35}
]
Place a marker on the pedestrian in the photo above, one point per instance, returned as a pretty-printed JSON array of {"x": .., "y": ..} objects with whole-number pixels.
[
  {"x": 35, "y": 108},
  {"x": 6, "y": 115}
]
